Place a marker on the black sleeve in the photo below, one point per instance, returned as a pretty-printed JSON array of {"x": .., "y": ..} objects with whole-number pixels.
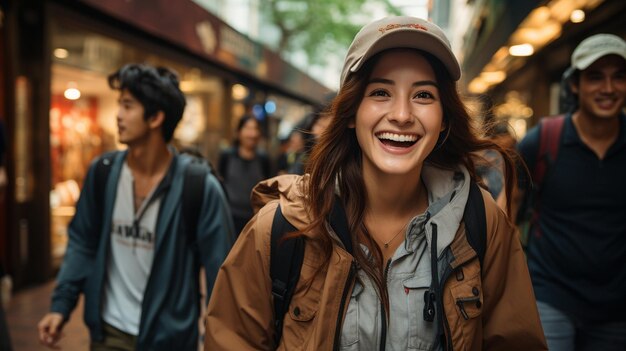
[
  {"x": 265, "y": 164},
  {"x": 222, "y": 164},
  {"x": 281, "y": 163}
]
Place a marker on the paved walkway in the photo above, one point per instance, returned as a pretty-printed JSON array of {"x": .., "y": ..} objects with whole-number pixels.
[{"x": 26, "y": 309}]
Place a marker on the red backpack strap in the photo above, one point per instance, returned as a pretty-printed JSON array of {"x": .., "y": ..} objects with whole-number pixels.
[{"x": 550, "y": 138}]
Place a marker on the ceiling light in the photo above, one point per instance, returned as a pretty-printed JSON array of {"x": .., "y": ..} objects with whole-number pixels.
[
  {"x": 477, "y": 86},
  {"x": 494, "y": 77},
  {"x": 239, "y": 92},
  {"x": 61, "y": 53},
  {"x": 72, "y": 92},
  {"x": 521, "y": 50},
  {"x": 577, "y": 16}
]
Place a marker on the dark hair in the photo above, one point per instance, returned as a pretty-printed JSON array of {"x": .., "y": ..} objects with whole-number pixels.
[
  {"x": 305, "y": 128},
  {"x": 157, "y": 89},
  {"x": 335, "y": 162}
]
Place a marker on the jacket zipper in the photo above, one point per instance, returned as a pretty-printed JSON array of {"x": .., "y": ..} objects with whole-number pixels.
[
  {"x": 344, "y": 296},
  {"x": 438, "y": 283},
  {"x": 444, "y": 318},
  {"x": 141, "y": 336},
  {"x": 383, "y": 317}
]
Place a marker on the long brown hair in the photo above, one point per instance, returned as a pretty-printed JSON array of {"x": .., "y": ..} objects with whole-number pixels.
[{"x": 335, "y": 162}]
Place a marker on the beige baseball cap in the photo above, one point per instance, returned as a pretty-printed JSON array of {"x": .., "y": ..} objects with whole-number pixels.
[
  {"x": 595, "y": 47},
  {"x": 399, "y": 32}
]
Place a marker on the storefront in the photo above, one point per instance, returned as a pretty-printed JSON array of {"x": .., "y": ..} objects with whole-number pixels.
[
  {"x": 67, "y": 113},
  {"x": 83, "y": 110}
]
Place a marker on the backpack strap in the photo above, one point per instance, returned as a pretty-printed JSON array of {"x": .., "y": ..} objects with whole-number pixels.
[
  {"x": 192, "y": 197},
  {"x": 475, "y": 222},
  {"x": 339, "y": 223},
  {"x": 550, "y": 139},
  {"x": 286, "y": 258}
]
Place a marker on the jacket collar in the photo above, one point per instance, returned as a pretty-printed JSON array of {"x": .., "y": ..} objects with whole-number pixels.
[{"x": 448, "y": 191}]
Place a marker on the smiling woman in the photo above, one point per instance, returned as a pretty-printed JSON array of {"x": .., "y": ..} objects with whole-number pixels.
[
  {"x": 400, "y": 117},
  {"x": 396, "y": 158}
]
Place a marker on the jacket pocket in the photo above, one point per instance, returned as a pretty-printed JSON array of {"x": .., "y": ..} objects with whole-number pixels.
[
  {"x": 468, "y": 298},
  {"x": 350, "y": 327},
  {"x": 463, "y": 307},
  {"x": 421, "y": 332},
  {"x": 300, "y": 319}
]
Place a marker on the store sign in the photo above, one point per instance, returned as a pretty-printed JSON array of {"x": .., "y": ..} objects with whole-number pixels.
[
  {"x": 246, "y": 52},
  {"x": 191, "y": 26},
  {"x": 100, "y": 52},
  {"x": 207, "y": 36}
]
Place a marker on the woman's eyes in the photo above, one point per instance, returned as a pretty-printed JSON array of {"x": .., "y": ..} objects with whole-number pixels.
[
  {"x": 379, "y": 92},
  {"x": 421, "y": 95},
  {"x": 424, "y": 95}
]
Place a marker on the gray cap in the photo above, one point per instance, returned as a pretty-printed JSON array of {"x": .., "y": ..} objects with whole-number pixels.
[
  {"x": 595, "y": 47},
  {"x": 399, "y": 32}
]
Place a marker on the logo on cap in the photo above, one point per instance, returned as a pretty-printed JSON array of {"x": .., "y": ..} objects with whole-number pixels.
[{"x": 382, "y": 30}]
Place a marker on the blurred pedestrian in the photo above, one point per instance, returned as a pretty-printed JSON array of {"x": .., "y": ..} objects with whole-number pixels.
[
  {"x": 577, "y": 243},
  {"x": 293, "y": 157},
  {"x": 490, "y": 166},
  {"x": 317, "y": 123},
  {"x": 242, "y": 166},
  {"x": 132, "y": 252},
  {"x": 398, "y": 158}
]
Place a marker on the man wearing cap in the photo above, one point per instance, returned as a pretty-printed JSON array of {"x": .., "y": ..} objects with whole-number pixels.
[{"x": 577, "y": 246}]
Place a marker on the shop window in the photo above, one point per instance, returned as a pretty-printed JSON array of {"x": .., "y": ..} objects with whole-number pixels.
[{"x": 83, "y": 110}]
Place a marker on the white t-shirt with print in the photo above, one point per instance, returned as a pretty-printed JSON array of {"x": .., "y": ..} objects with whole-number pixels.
[{"x": 130, "y": 256}]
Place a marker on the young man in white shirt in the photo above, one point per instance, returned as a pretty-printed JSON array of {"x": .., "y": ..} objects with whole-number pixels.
[{"x": 131, "y": 252}]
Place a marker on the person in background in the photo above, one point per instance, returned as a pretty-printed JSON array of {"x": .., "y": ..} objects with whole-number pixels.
[
  {"x": 398, "y": 158},
  {"x": 314, "y": 125},
  {"x": 283, "y": 150},
  {"x": 491, "y": 168},
  {"x": 297, "y": 142},
  {"x": 129, "y": 251},
  {"x": 577, "y": 243},
  {"x": 320, "y": 120},
  {"x": 242, "y": 166}
]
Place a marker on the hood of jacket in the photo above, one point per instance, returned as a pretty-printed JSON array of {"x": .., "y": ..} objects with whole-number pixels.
[
  {"x": 448, "y": 191},
  {"x": 288, "y": 189}
]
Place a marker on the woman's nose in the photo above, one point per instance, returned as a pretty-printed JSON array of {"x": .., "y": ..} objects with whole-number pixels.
[{"x": 401, "y": 112}]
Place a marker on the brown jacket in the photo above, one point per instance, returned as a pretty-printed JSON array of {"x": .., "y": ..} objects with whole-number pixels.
[{"x": 240, "y": 313}]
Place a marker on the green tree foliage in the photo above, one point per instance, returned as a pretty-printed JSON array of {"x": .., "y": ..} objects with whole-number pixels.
[{"x": 320, "y": 27}]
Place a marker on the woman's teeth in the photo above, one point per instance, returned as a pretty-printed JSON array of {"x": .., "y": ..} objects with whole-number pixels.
[{"x": 401, "y": 138}]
